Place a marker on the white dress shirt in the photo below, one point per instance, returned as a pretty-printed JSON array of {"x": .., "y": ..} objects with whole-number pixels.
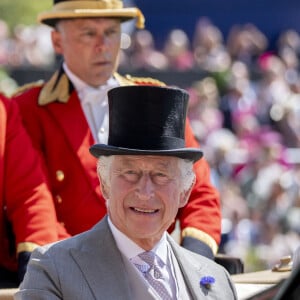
[
  {"x": 131, "y": 250},
  {"x": 94, "y": 104}
]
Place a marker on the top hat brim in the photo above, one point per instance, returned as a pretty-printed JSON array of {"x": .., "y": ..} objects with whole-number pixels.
[
  {"x": 192, "y": 154},
  {"x": 124, "y": 14}
]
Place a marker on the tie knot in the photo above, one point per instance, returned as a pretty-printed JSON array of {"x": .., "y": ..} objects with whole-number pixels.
[
  {"x": 154, "y": 262},
  {"x": 154, "y": 275},
  {"x": 148, "y": 257}
]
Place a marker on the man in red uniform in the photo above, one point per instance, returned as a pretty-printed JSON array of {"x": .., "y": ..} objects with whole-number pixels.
[
  {"x": 69, "y": 113},
  {"x": 27, "y": 214}
]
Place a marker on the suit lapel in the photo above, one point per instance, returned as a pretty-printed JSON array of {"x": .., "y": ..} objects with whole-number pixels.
[
  {"x": 101, "y": 264},
  {"x": 191, "y": 269},
  {"x": 138, "y": 285}
]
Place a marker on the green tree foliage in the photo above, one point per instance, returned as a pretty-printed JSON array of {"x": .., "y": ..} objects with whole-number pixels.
[{"x": 21, "y": 11}]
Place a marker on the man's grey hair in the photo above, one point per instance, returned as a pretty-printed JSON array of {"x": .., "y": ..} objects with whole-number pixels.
[{"x": 185, "y": 167}]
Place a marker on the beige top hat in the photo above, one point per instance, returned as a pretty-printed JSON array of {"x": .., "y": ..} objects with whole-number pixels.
[{"x": 68, "y": 9}]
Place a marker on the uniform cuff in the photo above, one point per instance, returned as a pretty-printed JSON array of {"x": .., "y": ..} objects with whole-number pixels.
[
  {"x": 197, "y": 247},
  {"x": 201, "y": 236},
  {"x": 26, "y": 247}
]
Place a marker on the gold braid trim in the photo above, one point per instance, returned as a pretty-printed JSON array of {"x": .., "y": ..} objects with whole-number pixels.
[
  {"x": 140, "y": 20},
  {"x": 131, "y": 80},
  {"x": 202, "y": 236},
  {"x": 123, "y": 81},
  {"x": 145, "y": 80},
  {"x": 26, "y": 246},
  {"x": 27, "y": 86}
]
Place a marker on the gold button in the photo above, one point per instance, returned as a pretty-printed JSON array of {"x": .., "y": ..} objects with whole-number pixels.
[
  {"x": 60, "y": 176},
  {"x": 58, "y": 199}
]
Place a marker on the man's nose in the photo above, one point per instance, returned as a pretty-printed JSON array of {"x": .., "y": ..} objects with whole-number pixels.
[
  {"x": 101, "y": 42},
  {"x": 145, "y": 187}
]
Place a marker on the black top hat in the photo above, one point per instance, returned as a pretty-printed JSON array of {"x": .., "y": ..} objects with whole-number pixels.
[{"x": 147, "y": 120}]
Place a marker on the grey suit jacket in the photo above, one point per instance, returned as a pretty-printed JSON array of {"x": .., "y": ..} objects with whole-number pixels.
[{"x": 90, "y": 266}]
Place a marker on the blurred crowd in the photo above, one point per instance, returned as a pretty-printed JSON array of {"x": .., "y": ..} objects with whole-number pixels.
[{"x": 245, "y": 112}]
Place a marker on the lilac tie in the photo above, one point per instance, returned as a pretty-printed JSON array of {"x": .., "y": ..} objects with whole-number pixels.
[{"x": 153, "y": 274}]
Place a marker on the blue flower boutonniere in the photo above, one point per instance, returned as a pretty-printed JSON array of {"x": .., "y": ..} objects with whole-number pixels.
[{"x": 207, "y": 281}]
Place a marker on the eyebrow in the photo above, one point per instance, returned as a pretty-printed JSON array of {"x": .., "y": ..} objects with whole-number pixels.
[{"x": 129, "y": 162}]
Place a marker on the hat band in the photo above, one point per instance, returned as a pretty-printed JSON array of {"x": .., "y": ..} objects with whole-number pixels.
[
  {"x": 142, "y": 143},
  {"x": 87, "y": 4}
]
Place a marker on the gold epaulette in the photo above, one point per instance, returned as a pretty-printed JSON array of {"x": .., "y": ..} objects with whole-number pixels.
[
  {"x": 27, "y": 86},
  {"x": 131, "y": 80},
  {"x": 144, "y": 80}
]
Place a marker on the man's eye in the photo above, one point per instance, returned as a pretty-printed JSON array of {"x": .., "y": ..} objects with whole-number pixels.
[
  {"x": 111, "y": 32},
  {"x": 89, "y": 33},
  {"x": 131, "y": 176},
  {"x": 160, "y": 178}
]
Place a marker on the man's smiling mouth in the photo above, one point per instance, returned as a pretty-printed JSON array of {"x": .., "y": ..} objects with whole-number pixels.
[{"x": 144, "y": 210}]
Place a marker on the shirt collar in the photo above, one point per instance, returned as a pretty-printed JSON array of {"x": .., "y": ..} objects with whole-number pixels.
[
  {"x": 130, "y": 249},
  {"x": 82, "y": 87}
]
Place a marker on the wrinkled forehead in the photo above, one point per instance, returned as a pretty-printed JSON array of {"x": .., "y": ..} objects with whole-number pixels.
[{"x": 146, "y": 162}]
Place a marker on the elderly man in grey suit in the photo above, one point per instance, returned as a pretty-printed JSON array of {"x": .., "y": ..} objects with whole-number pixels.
[{"x": 146, "y": 175}]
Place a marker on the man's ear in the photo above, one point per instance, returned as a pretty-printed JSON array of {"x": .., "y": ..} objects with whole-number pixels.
[
  {"x": 104, "y": 189},
  {"x": 185, "y": 195},
  {"x": 56, "y": 41}
]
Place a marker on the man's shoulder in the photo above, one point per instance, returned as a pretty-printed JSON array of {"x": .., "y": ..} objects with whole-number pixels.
[
  {"x": 81, "y": 241},
  {"x": 57, "y": 88},
  {"x": 192, "y": 255},
  {"x": 195, "y": 259},
  {"x": 28, "y": 88},
  {"x": 62, "y": 248}
]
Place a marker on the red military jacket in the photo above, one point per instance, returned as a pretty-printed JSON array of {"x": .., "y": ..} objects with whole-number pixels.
[
  {"x": 56, "y": 123},
  {"x": 27, "y": 215}
]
